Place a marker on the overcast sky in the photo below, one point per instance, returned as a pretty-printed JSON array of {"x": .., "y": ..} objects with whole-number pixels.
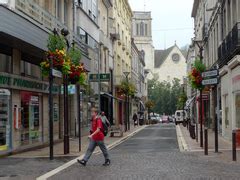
[{"x": 171, "y": 21}]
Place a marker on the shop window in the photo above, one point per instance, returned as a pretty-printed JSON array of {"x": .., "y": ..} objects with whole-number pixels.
[
  {"x": 4, "y": 120},
  {"x": 30, "y": 119},
  {"x": 6, "y": 63},
  {"x": 32, "y": 70}
]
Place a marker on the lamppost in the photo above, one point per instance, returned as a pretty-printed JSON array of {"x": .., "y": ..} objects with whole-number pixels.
[
  {"x": 127, "y": 123},
  {"x": 50, "y": 99},
  {"x": 65, "y": 32},
  {"x": 200, "y": 45}
]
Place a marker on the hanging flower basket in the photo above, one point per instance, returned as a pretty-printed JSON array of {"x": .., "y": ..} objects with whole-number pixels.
[
  {"x": 77, "y": 74},
  {"x": 127, "y": 88},
  {"x": 195, "y": 76},
  {"x": 68, "y": 63}
]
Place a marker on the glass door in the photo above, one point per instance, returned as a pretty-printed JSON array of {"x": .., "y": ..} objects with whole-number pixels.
[{"x": 4, "y": 120}]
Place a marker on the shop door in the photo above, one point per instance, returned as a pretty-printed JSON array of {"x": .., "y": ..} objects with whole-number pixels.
[
  {"x": 4, "y": 120},
  {"x": 30, "y": 131}
]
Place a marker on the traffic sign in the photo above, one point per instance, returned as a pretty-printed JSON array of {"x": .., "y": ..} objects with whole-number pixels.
[
  {"x": 212, "y": 81},
  {"x": 210, "y": 73},
  {"x": 104, "y": 77},
  {"x": 56, "y": 73}
]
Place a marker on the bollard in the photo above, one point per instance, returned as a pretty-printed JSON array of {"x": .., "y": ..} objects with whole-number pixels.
[
  {"x": 234, "y": 152},
  {"x": 206, "y": 141}
]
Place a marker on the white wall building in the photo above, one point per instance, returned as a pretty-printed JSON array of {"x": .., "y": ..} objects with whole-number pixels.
[
  {"x": 170, "y": 64},
  {"x": 142, "y": 34}
]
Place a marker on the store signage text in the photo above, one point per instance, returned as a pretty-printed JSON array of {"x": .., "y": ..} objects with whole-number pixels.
[{"x": 23, "y": 83}]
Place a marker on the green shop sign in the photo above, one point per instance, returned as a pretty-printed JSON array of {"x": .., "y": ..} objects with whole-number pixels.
[{"x": 24, "y": 83}]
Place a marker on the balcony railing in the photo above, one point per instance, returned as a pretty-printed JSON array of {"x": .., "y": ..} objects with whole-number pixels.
[
  {"x": 230, "y": 46},
  {"x": 38, "y": 14},
  {"x": 47, "y": 20}
]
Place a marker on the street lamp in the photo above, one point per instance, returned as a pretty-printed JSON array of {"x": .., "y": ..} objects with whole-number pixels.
[
  {"x": 127, "y": 122},
  {"x": 65, "y": 32},
  {"x": 200, "y": 45}
]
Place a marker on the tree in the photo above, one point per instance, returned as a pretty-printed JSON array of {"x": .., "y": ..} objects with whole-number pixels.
[{"x": 164, "y": 95}]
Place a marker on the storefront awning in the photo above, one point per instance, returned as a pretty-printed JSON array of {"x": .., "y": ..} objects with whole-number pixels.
[
  {"x": 189, "y": 102},
  {"x": 110, "y": 96},
  {"x": 142, "y": 105}
]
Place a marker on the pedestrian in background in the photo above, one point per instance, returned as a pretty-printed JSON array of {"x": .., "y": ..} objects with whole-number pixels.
[
  {"x": 96, "y": 138},
  {"x": 135, "y": 119},
  {"x": 104, "y": 119}
]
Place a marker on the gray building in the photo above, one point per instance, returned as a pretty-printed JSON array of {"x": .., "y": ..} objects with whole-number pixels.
[{"x": 24, "y": 30}]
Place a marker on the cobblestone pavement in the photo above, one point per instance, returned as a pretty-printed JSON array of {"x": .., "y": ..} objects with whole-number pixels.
[
  {"x": 31, "y": 164},
  {"x": 28, "y": 168},
  {"x": 152, "y": 154}
]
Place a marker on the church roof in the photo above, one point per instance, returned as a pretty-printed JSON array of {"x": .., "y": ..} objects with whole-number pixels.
[{"x": 161, "y": 55}]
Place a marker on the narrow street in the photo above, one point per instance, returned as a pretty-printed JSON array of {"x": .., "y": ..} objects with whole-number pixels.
[{"x": 153, "y": 153}]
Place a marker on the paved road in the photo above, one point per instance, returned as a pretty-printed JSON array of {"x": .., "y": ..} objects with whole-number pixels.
[{"x": 151, "y": 154}]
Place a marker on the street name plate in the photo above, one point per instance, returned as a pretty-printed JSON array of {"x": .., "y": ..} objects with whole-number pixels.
[
  {"x": 211, "y": 73},
  {"x": 103, "y": 77},
  {"x": 56, "y": 73},
  {"x": 210, "y": 81}
]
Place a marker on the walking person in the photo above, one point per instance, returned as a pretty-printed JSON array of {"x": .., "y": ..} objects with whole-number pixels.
[
  {"x": 135, "y": 119},
  {"x": 96, "y": 138},
  {"x": 104, "y": 119}
]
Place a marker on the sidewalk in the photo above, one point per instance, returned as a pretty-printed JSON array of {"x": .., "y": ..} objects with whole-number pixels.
[
  {"x": 187, "y": 144},
  {"x": 74, "y": 147}
]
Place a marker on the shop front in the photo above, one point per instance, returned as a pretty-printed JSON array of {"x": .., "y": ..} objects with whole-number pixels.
[{"x": 24, "y": 112}]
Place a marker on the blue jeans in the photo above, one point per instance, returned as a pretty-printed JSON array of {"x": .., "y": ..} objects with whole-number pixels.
[{"x": 91, "y": 147}]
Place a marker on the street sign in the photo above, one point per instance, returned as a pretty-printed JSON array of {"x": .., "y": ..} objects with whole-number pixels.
[
  {"x": 210, "y": 73},
  {"x": 104, "y": 77},
  {"x": 210, "y": 81},
  {"x": 56, "y": 73}
]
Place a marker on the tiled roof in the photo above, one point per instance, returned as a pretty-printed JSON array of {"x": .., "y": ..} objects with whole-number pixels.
[{"x": 160, "y": 56}]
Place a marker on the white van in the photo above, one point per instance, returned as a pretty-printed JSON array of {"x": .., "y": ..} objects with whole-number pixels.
[{"x": 180, "y": 116}]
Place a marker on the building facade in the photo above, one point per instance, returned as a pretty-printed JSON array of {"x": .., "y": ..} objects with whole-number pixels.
[
  {"x": 24, "y": 92},
  {"x": 138, "y": 79},
  {"x": 219, "y": 33},
  {"x": 106, "y": 57},
  {"x": 120, "y": 29},
  {"x": 142, "y": 34},
  {"x": 170, "y": 64}
]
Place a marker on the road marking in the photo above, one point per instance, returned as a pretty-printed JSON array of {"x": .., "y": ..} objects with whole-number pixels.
[
  {"x": 181, "y": 141},
  {"x": 70, "y": 163}
]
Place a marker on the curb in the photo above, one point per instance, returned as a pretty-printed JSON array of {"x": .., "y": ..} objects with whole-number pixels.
[
  {"x": 70, "y": 163},
  {"x": 181, "y": 141}
]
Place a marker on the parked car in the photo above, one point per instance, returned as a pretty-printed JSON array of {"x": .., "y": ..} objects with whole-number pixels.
[
  {"x": 180, "y": 116},
  {"x": 165, "y": 119},
  {"x": 171, "y": 119},
  {"x": 159, "y": 119}
]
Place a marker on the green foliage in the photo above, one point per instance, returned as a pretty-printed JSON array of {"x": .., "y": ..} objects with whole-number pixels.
[
  {"x": 75, "y": 55},
  {"x": 149, "y": 104},
  {"x": 195, "y": 77},
  {"x": 164, "y": 95},
  {"x": 199, "y": 65},
  {"x": 127, "y": 88},
  {"x": 56, "y": 42},
  {"x": 181, "y": 101}
]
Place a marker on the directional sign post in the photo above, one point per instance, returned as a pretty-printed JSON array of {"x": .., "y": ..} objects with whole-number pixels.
[
  {"x": 211, "y": 81},
  {"x": 211, "y": 73},
  {"x": 56, "y": 73},
  {"x": 104, "y": 77}
]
